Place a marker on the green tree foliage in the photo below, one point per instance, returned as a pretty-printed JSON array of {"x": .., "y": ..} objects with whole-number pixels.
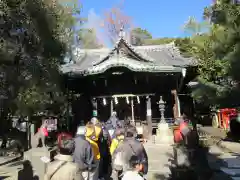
[
  {"x": 35, "y": 36},
  {"x": 138, "y": 36},
  {"x": 88, "y": 39},
  {"x": 218, "y": 52},
  {"x": 193, "y": 27},
  {"x": 158, "y": 41}
]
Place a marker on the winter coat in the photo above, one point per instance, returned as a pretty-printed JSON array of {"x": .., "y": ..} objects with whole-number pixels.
[
  {"x": 130, "y": 147},
  {"x": 63, "y": 168},
  {"x": 93, "y": 137},
  {"x": 83, "y": 153}
]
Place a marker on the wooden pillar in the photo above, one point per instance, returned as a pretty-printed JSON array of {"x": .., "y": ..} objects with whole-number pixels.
[
  {"x": 111, "y": 107},
  {"x": 179, "y": 106},
  {"x": 132, "y": 108},
  {"x": 176, "y": 105},
  {"x": 149, "y": 116}
]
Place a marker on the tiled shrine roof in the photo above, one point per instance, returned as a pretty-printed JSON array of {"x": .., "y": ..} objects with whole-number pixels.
[{"x": 157, "y": 58}]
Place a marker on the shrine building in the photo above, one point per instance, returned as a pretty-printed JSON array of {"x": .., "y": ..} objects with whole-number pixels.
[{"x": 129, "y": 80}]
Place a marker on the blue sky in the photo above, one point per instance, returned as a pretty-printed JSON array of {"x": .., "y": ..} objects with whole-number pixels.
[{"x": 163, "y": 18}]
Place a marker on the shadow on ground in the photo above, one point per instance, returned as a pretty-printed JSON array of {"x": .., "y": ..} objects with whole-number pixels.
[
  {"x": 3, "y": 177},
  {"x": 194, "y": 163},
  {"x": 17, "y": 163},
  {"x": 27, "y": 172}
]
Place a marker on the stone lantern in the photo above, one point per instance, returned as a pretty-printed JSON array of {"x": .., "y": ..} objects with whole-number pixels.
[
  {"x": 164, "y": 133},
  {"x": 161, "y": 106}
]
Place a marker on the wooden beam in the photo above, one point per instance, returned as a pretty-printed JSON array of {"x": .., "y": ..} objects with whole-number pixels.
[{"x": 124, "y": 95}]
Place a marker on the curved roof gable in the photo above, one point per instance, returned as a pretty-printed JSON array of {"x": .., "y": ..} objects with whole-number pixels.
[{"x": 157, "y": 58}]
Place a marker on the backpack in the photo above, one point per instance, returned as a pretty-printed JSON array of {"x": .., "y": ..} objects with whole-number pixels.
[
  {"x": 121, "y": 160},
  {"x": 118, "y": 161}
]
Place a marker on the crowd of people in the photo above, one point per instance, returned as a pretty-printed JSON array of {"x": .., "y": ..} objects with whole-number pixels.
[{"x": 103, "y": 151}]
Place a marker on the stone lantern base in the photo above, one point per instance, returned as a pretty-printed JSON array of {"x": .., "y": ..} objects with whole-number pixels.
[{"x": 164, "y": 134}]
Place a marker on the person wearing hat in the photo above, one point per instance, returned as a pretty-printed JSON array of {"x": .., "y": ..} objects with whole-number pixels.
[{"x": 63, "y": 167}]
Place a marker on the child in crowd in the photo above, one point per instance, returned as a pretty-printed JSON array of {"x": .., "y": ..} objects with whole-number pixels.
[{"x": 134, "y": 173}]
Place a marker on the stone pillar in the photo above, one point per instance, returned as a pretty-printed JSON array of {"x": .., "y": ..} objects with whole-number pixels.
[
  {"x": 176, "y": 108},
  {"x": 149, "y": 116}
]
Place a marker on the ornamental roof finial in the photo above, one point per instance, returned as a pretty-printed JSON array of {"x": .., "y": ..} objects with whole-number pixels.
[{"x": 121, "y": 32}]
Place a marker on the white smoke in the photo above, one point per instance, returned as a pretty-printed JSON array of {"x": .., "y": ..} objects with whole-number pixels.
[{"x": 94, "y": 22}]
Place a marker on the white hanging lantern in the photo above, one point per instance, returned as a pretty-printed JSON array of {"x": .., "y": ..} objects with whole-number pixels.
[
  {"x": 116, "y": 100},
  {"x": 104, "y": 102},
  {"x": 138, "y": 100},
  {"x": 127, "y": 100}
]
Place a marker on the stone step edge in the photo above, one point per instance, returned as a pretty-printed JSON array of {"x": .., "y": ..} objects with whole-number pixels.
[
  {"x": 229, "y": 174},
  {"x": 218, "y": 141},
  {"x": 10, "y": 160},
  {"x": 225, "y": 164},
  {"x": 235, "y": 178}
]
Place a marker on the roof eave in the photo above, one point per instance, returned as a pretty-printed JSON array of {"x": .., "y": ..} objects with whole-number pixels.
[{"x": 160, "y": 70}]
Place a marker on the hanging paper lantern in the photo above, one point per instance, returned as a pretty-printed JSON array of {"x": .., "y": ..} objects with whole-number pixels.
[{"x": 116, "y": 100}]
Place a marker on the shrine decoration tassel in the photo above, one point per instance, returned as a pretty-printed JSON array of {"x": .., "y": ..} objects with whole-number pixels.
[
  {"x": 138, "y": 100},
  {"x": 104, "y": 102},
  {"x": 116, "y": 100},
  {"x": 127, "y": 100}
]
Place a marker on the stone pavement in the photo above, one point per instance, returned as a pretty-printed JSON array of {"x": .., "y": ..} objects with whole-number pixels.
[
  {"x": 224, "y": 156},
  {"x": 233, "y": 147},
  {"x": 224, "y": 163},
  {"x": 159, "y": 163},
  {"x": 221, "y": 138},
  {"x": 214, "y": 132},
  {"x": 159, "y": 159},
  {"x": 6, "y": 160},
  {"x": 10, "y": 171}
]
